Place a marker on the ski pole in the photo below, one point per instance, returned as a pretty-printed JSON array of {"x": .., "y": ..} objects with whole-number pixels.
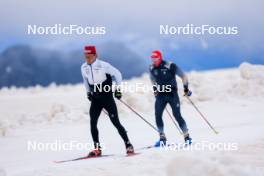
[
  {"x": 216, "y": 132},
  {"x": 173, "y": 121},
  {"x": 153, "y": 127}
]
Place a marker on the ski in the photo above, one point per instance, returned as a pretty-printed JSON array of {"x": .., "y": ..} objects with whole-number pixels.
[
  {"x": 94, "y": 157},
  {"x": 167, "y": 145},
  {"x": 82, "y": 158},
  {"x": 152, "y": 146},
  {"x": 146, "y": 147},
  {"x": 132, "y": 154}
]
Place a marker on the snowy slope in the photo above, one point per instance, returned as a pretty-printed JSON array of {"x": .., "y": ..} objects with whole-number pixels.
[{"x": 231, "y": 99}]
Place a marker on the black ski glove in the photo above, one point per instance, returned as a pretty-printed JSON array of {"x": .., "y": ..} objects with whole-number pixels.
[
  {"x": 118, "y": 94},
  {"x": 89, "y": 96},
  {"x": 187, "y": 92}
]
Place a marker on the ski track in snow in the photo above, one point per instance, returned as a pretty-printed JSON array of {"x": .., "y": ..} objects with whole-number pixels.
[{"x": 231, "y": 99}]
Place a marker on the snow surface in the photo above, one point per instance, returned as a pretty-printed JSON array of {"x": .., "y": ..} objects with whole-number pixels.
[{"x": 231, "y": 99}]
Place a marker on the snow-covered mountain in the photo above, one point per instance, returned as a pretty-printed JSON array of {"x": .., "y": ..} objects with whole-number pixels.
[
  {"x": 24, "y": 66},
  {"x": 231, "y": 99}
]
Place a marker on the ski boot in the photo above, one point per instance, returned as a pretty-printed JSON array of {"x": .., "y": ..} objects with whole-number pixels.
[
  {"x": 187, "y": 139},
  {"x": 129, "y": 148},
  {"x": 95, "y": 153},
  {"x": 162, "y": 141}
]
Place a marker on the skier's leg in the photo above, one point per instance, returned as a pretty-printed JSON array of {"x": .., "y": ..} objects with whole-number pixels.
[
  {"x": 111, "y": 108},
  {"x": 95, "y": 111},
  {"x": 175, "y": 106},
  {"x": 160, "y": 104}
]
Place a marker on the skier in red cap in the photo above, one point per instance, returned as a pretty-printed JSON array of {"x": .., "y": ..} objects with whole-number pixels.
[
  {"x": 98, "y": 73},
  {"x": 163, "y": 76}
]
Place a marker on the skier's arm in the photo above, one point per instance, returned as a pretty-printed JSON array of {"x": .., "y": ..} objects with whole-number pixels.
[
  {"x": 85, "y": 82},
  {"x": 114, "y": 72},
  {"x": 154, "y": 83},
  {"x": 152, "y": 78},
  {"x": 178, "y": 71}
]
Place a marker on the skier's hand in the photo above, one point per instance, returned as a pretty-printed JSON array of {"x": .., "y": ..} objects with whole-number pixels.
[
  {"x": 118, "y": 94},
  {"x": 89, "y": 96},
  {"x": 187, "y": 92}
]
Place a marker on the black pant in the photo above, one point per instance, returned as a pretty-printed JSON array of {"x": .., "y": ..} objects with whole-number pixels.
[
  {"x": 160, "y": 104},
  {"x": 108, "y": 103}
]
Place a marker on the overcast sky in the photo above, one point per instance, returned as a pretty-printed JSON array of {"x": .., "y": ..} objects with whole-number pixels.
[{"x": 134, "y": 21}]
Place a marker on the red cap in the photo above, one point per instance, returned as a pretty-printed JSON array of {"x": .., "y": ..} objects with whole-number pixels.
[
  {"x": 156, "y": 54},
  {"x": 89, "y": 50}
]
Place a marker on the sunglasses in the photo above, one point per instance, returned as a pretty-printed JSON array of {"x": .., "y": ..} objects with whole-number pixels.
[{"x": 155, "y": 59}]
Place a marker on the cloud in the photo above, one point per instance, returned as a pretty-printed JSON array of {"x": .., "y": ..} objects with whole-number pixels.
[
  {"x": 204, "y": 44},
  {"x": 136, "y": 15},
  {"x": 136, "y": 23}
]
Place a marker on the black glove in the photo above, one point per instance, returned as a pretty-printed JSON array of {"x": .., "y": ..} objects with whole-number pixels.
[
  {"x": 187, "y": 92},
  {"x": 118, "y": 94},
  {"x": 89, "y": 96}
]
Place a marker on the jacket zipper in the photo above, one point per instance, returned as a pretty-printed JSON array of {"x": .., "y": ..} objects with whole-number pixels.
[{"x": 92, "y": 72}]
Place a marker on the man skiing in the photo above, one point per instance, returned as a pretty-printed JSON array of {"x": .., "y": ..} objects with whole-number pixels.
[
  {"x": 162, "y": 74},
  {"x": 98, "y": 73}
]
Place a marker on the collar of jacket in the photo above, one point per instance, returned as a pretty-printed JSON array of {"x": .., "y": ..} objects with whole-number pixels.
[
  {"x": 161, "y": 65},
  {"x": 94, "y": 62}
]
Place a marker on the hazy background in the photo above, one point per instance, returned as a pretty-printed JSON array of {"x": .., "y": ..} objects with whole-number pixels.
[{"x": 132, "y": 33}]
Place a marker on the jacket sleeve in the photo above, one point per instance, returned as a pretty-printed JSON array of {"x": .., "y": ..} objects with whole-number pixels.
[
  {"x": 85, "y": 81},
  {"x": 152, "y": 79},
  {"x": 151, "y": 76},
  {"x": 178, "y": 71},
  {"x": 114, "y": 72}
]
